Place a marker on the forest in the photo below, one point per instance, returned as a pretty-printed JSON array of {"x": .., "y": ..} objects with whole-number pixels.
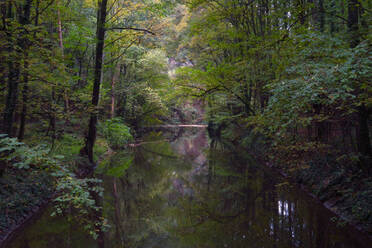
[{"x": 185, "y": 123}]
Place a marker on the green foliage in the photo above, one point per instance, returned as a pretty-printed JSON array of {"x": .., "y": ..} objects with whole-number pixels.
[
  {"x": 117, "y": 164},
  {"x": 119, "y": 171},
  {"x": 326, "y": 74},
  {"x": 144, "y": 87},
  {"x": 116, "y": 133},
  {"x": 70, "y": 191},
  {"x": 21, "y": 192},
  {"x": 68, "y": 146}
]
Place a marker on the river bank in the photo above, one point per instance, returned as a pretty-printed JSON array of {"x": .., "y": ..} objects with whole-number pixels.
[
  {"x": 33, "y": 176},
  {"x": 34, "y": 214},
  {"x": 337, "y": 184},
  {"x": 22, "y": 196},
  {"x": 331, "y": 177},
  {"x": 334, "y": 205}
]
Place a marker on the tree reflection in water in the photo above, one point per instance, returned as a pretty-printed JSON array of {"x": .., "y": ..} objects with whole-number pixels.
[{"x": 184, "y": 194}]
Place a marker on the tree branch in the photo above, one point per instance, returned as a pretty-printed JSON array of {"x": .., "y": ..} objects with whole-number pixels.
[
  {"x": 118, "y": 57},
  {"x": 129, "y": 28},
  {"x": 39, "y": 12}
]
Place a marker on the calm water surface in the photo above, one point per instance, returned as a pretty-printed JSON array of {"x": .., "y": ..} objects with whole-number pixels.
[{"x": 182, "y": 193}]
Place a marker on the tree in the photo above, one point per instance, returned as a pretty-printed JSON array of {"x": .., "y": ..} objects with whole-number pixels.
[
  {"x": 92, "y": 130},
  {"x": 364, "y": 142}
]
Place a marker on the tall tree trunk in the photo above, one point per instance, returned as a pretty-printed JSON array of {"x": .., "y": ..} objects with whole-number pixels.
[
  {"x": 11, "y": 100},
  {"x": 115, "y": 77},
  {"x": 91, "y": 137},
  {"x": 61, "y": 46},
  {"x": 25, "y": 20},
  {"x": 52, "y": 120},
  {"x": 60, "y": 35},
  {"x": 13, "y": 77},
  {"x": 353, "y": 25},
  {"x": 24, "y": 98},
  {"x": 14, "y": 64},
  {"x": 321, "y": 16},
  {"x": 302, "y": 14},
  {"x": 364, "y": 143},
  {"x": 333, "y": 27}
]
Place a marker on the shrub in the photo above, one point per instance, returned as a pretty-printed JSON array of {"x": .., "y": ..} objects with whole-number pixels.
[
  {"x": 25, "y": 167},
  {"x": 116, "y": 133}
]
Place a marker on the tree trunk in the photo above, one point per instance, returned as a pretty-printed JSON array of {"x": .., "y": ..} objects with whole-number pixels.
[
  {"x": 13, "y": 77},
  {"x": 364, "y": 143},
  {"x": 321, "y": 16},
  {"x": 11, "y": 100},
  {"x": 91, "y": 137},
  {"x": 14, "y": 64},
  {"x": 25, "y": 20},
  {"x": 24, "y": 98},
  {"x": 353, "y": 25},
  {"x": 333, "y": 27},
  {"x": 65, "y": 95},
  {"x": 115, "y": 77},
  {"x": 60, "y": 36}
]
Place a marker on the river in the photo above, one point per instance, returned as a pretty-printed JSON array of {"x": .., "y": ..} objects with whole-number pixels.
[{"x": 179, "y": 192}]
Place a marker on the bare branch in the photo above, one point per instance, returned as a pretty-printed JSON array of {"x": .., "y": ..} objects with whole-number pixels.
[{"x": 130, "y": 28}]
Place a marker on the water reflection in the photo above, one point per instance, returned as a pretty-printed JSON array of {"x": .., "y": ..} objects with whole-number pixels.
[{"x": 183, "y": 194}]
